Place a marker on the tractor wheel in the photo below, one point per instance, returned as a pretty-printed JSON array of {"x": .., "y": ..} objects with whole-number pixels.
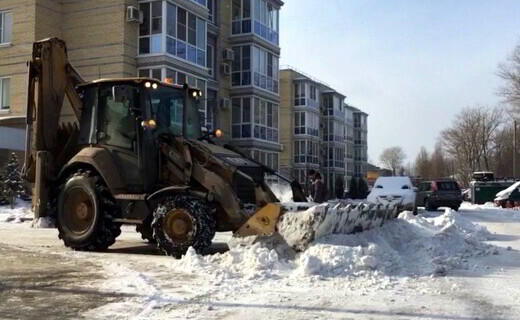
[
  {"x": 181, "y": 222},
  {"x": 146, "y": 230},
  {"x": 85, "y": 213},
  {"x": 427, "y": 205}
]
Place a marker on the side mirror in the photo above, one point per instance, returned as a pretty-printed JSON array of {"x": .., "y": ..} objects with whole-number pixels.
[{"x": 415, "y": 189}]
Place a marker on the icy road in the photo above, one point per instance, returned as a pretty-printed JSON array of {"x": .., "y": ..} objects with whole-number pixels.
[{"x": 439, "y": 265}]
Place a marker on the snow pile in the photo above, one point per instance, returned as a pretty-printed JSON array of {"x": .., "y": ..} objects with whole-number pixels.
[
  {"x": 42, "y": 223},
  {"x": 300, "y": 228},
  {"x": 407, "y": 246},
  {"x": 249, "y": 262},
  {"x": 22, "y": 211}
]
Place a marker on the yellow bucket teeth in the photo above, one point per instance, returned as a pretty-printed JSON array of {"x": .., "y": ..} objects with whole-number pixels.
[{"x": 262, "y": 223}]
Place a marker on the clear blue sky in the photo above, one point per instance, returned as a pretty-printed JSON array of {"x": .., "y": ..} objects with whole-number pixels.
[{"x": 412, "y": 65}]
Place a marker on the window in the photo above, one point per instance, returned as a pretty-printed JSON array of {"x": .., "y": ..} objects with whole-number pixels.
[
  {"x": 313, "y": 93},
  {"x": 241, "y": 118},
  {"x": 212, "y": 9},
  {"x": 241, "y": 16},
  {"x": 116, "y": 120},
  {"x": 5, "y": 93},
  {"x": 150, "y": 36},
  {"x": 299, "y": 94},
  {"x": 299, "y": 123},
  {"x": 6, "y": 26},
  {"x": 266, "y": 21},
  {"x": 201, "y": 2},
  {"x": 185, "y": 32},
  {"x": 241, "y": 66},
  {"x": 265, "y": 67},
  {"x": 306, "y": 151},
  {"x": 209, "y": 63},
  {"x": 179, "y": 78},
  {"x": 257, "y": 114}
]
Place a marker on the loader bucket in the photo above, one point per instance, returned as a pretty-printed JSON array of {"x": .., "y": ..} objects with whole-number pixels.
[
  {"x": 262, "y": 223},
  {"x": 299, "y": 224}
]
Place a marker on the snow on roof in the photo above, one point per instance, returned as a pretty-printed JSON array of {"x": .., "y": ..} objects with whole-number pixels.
[
  {"x": 393, "y": 182},
  {"x": 507, "y": 192}
]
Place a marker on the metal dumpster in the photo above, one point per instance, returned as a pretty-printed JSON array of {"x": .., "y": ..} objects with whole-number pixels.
[{"x": 485, "y": 191}]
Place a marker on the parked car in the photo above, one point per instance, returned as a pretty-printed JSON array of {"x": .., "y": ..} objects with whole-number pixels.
[
  {"x": 439, "y": 193},
  {"x": 395, "y": 190},
  {"x": 509, "y": 196}
]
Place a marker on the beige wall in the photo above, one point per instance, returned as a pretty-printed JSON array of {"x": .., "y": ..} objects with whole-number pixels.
[
  {"x": 101, "y": 44},
  {"x": 13, "y": 57},
  {"x": 224, "y": 81},
  {"x": 286, "y": 118}
]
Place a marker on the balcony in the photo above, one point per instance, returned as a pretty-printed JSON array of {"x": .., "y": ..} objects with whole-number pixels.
[
  {"x": 305, "y": 102},
  {"x": 333, "y": 138},
  {"x": 306, "y": 159},
  {"x": 334, "y": 164},
  {"x": 360, "y": 142},
  {"x": 334, "y": 113}
]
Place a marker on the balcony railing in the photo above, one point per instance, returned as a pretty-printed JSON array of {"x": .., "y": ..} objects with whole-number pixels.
[
  {"x": 334, "y": 112},
  {"x": 306, "y": 102}
]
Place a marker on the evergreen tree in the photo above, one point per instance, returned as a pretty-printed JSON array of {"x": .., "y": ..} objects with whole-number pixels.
[
  {"x": 362, "y": 188},
  {"x": 12, "y": 185},
  {"x": 353, "y": 189},
  {"x": 339, "y": 188}
]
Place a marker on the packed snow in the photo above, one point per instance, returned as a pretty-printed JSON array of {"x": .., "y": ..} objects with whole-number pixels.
[
  {"x": 21, "y": 212},
  {"x": 407, "y": 246},
  {"x": 437, "y": 265}
]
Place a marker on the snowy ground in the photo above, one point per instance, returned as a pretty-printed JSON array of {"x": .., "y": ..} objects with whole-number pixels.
[{"x": 438, "y": 265}]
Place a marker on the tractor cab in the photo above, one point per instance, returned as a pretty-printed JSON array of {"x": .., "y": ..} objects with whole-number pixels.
[{"x": 127, "y": 116}]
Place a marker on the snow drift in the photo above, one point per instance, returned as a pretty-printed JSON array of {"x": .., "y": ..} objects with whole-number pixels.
[{"x": 407, "y": 246}]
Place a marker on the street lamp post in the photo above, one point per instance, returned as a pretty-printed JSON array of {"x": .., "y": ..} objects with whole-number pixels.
[{"x": 514, "y": 149}]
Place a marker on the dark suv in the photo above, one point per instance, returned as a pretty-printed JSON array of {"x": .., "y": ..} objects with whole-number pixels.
[{"x": 439, "y": 193}]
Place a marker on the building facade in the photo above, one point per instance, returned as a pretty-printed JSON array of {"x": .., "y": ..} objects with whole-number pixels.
[
  {"x": 360, "y": 143},
  {"x": 227, "y": 48},
  {"x": 318, "y": 131}
]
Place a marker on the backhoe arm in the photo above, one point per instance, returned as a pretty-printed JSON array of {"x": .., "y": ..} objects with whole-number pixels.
[{"x": 51, "y": 77}]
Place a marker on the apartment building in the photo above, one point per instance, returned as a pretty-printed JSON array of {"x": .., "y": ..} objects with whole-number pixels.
[
  {"x": 227, "y": 48},
  {"x": 360, "y": 143},
  {"x": 318, "y": 130}
]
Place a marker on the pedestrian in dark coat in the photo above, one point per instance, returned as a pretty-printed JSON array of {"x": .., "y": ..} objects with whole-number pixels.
[{"x": 320, "y": 190}]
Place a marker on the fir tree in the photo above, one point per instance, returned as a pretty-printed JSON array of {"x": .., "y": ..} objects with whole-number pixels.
[
  {"x": 353, "y": 189},
  {"x": 362, "y": 189},
  {"x": 12, "y": 185}
]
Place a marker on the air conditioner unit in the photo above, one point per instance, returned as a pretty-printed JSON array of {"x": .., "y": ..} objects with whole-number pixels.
[
  {"x": 228, "y": 55},
  {"x": 225, "y": 68},
  {"x": 225, "y": 103},
  {"x": 134, "y": 15}
]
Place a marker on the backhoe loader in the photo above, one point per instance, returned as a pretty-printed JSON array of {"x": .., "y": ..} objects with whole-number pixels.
[{"x": 136, "y": 154}]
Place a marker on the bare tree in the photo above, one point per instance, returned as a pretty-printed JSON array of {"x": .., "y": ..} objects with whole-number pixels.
[
  {"x": 470, "y": 140},
  {"x": 393, "y": 158},
  {"x": 422, "y": 164},
  {"x": 510, "y": 72},
  {"x": 441, "y": 166}
]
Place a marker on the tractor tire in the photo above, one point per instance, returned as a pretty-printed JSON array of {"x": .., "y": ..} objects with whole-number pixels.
[
  {"x": 146, "y": 230},
  {"x": 427, "y": 205},
  {"x": 85, "y": 212},
  {"x": 181, "y": 222}
]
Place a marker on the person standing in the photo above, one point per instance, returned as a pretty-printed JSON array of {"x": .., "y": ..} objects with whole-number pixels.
[{"x": 320, "y": 190}]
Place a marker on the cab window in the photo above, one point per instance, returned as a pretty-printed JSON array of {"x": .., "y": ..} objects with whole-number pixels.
[{"x": 116, "y": 121}]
